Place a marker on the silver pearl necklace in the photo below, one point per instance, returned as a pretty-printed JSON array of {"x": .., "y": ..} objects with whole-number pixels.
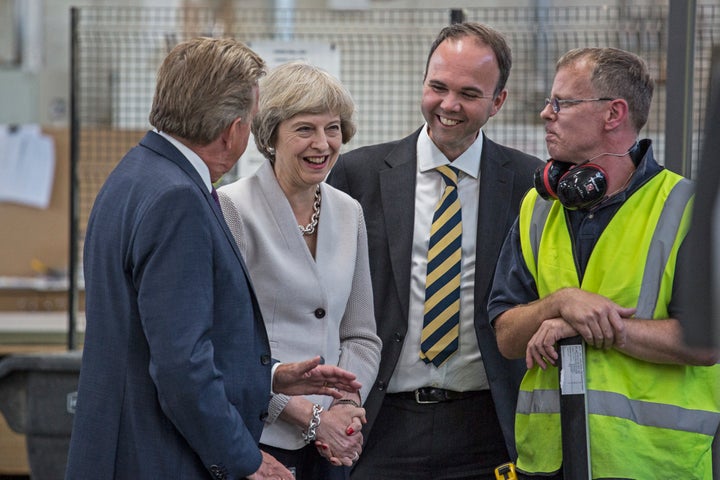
[{"x": 310, "y": 228}]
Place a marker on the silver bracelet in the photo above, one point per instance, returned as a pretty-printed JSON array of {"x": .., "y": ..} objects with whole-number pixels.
[{"x": 311, "y": 433}]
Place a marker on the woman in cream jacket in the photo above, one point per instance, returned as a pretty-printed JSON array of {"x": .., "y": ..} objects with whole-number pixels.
[{"x": 305, "y": 246}]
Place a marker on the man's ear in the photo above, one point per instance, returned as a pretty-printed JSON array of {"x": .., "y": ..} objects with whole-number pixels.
[
  {"x": 229, "y": 135},
  {"x": 498, "y": 102},
  {"x": 617, "y": 113}
]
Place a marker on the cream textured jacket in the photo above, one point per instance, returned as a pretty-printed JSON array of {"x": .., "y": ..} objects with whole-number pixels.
[{"x": 311, "y": 306}]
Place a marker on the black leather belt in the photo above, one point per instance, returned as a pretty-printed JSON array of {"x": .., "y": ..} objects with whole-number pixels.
[{"x": 434, "y": 395}]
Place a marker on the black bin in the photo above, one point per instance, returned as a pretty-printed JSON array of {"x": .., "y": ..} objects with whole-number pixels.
[{"x": 37, "y": 398}]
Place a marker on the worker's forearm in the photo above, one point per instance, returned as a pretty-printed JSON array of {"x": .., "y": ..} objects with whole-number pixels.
[
  {"x": 516, "y": 326},
  {"x": 661, "y": 341}
]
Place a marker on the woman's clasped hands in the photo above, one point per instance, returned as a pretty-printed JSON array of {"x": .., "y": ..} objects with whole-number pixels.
[{"x": 339, "y": 437}]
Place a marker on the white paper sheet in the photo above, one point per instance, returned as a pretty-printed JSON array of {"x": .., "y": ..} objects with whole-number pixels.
[{"x": 27, "y": 165}]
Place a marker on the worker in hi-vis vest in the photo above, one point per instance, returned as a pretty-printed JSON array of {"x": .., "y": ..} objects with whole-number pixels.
[{"x": 594, "y": 253}]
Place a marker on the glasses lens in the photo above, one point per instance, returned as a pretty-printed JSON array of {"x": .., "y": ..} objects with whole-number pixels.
[{"x": 553, "y": 102}]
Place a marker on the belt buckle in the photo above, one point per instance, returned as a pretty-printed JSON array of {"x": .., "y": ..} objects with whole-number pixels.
[{"x": 422, "y": 401}]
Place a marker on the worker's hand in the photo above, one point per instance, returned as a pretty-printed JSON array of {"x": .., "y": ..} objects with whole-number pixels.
[
  {"x": 541, "y": 349},
  {"x": 597, "y": 319}
]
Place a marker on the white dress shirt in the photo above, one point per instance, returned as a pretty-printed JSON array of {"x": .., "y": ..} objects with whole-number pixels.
[{"x": 464, "y": 370}]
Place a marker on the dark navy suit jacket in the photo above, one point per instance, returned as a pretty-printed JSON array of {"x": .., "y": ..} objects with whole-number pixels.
[
  {"x": 382, "y": 178},
  {"x": 175, "y": 379}
]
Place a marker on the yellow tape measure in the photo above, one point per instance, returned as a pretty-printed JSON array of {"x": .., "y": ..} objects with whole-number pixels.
[{"x": 506, "y": 471}]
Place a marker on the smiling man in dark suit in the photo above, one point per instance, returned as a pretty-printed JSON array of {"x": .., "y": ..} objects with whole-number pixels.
[
  {"x": 176, "y": 372},
  {"x": 440, "y": 415}
]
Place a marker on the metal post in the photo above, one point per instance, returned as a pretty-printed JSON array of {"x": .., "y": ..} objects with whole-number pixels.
[
  {"x": 542, "y": 63},
  {"x": 679, "y": 102},
  {"x": 573, "y": 410},
  {"x": 74, "y": 124},
  {"x": 457, "y": 15},
  {"x": 284, "y": 20}
]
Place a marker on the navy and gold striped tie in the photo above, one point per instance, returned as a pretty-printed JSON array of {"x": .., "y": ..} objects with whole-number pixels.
[{"x": 441, "y": 323}]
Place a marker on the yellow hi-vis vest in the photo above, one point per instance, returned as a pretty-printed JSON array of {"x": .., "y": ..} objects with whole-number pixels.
[{"x": 645, "y": 420}]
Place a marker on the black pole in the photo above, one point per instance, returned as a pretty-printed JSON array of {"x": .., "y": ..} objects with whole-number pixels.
[
  {"x": 457, "y": 15},
  {"x": 700, "y": 288},
  {"x": 72, "y": 256},
  {"x": 576, "y": 461},
  {"x": 679, "y": 104}
]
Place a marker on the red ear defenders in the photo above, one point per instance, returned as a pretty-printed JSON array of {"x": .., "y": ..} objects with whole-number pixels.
[{"x": 575, "y": 186}]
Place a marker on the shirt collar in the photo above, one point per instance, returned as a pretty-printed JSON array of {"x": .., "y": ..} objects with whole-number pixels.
[
  {"x": 430, "y": 156},
  {"x": 192, "y": 157}
]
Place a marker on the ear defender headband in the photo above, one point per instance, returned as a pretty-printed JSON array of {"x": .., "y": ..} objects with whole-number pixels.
[{"x": 575, "y": 186}]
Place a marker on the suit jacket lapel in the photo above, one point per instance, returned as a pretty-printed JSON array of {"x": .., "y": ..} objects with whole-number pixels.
[
  {"x": 397, "y": 188},
  {"x": 496, "y": 182}
]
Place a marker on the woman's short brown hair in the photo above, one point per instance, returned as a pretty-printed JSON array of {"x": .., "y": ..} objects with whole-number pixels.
[{"x": 295, "y": 88}]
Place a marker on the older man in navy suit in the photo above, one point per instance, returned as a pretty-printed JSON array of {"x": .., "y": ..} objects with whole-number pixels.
[{"x": 176, "y": 372}]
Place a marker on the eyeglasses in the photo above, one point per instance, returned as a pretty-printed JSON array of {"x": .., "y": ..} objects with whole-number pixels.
[{"x": 555, "y": 103}]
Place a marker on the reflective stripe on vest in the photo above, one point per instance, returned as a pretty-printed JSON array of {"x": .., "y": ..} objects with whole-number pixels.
[
  {"x": 659, "y": 253},
  {"x": 638, "y": 411},
  {"x": 615, "y": 405}
]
